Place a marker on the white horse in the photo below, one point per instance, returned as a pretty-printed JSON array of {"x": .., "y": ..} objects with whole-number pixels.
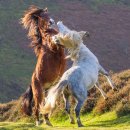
[
  {"x": 77, "y": 80},
  {"x": 74, "y": 43}
]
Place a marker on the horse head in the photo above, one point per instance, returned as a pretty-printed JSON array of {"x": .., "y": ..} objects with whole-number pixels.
[
  {"x": 69, "y": 38},
  {"x": 39, "y": 23},
  {"x": 36, "y": 16}
]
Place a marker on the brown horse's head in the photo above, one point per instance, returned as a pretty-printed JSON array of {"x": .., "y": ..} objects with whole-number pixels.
[{"x": 38, "y": 22}]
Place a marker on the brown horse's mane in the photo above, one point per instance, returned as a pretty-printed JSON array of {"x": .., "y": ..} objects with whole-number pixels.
[{"x": 30, "y": 22}]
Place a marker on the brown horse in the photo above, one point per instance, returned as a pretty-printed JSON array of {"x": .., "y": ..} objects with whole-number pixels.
[{"x": 50, "y": 59}]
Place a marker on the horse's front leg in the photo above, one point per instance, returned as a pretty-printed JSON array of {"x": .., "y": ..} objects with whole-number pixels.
[
  {"x": 106, "y": 74},
  {"x": 100, "y": 89},
  {"x": 80, "y": 96},
  {"x": 66, "y": 96},
  {"x": 111, "y": 82}
]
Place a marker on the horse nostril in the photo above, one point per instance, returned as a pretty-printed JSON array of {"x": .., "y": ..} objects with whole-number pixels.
[{"x": 57, "y": 41}]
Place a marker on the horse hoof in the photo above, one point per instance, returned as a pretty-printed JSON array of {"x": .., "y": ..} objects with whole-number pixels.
[
  {"x": 48, "y": 123},
  {"x": 72, "y": 122},
  {"x": 106, "y": 98},
  {"x": 41, "y": 121},
  {"x": 115, "y": 89},
  {"x": 80, "y": 125},
  {"x": 37, "y": 123}
]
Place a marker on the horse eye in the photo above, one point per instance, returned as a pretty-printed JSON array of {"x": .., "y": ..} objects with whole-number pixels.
[{"x": 51, "y": 21}]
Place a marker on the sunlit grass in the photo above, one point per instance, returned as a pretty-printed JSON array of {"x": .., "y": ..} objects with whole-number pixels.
[{"x": 108, "y": 121}]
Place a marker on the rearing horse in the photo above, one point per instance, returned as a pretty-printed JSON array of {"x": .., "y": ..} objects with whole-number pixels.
[{"x": 50, "y": 59}]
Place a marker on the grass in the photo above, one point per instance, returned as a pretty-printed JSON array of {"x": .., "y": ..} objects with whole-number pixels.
[{"x": 107, "y": 121}]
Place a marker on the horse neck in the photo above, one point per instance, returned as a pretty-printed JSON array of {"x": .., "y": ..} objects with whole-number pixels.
[
  {"x": 46, "y": 38},
  {"x": 46, "y": 43},
  {"x": 63, "y": 29},
  {"x": 85, "y": 53},
  {"x": 75, "y": 52}
]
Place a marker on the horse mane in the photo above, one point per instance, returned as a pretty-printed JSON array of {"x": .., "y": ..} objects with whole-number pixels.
[
  {"x": 30, "y": 22},
  {"x": 74, "y": 39}
]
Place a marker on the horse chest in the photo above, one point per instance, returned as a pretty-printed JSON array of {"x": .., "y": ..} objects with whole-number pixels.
[{"x": 49, "y": 67}]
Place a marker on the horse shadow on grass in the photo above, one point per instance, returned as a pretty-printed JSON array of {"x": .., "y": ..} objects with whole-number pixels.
[
  {"x": 112, "y": 123},
  {"x": 19, "y": 126}
]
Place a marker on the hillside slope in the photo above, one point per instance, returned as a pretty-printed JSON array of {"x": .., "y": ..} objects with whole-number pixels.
[
  {"x": 107, "y": 21},
  {"x": 90, "y": 122},
  {"x": 97, "y": 114}
]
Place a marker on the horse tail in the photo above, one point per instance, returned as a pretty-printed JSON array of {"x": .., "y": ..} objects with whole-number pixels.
[
  {"x": 27, "y": 98},
  {"x": 52, "y": 96}
]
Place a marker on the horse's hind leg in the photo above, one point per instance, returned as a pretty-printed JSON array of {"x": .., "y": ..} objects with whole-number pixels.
[
  {"x": 66, "y": 96},
  {"x": 38, "y": 96},
  {"x": 106, "y": 74},
  {"x": 37, "y": 101},
  {"x": 77, "y": 111},
  {"x": 100, "y": 89},
  {"x": 47, "y": 121},
  {"x": 80, "y": 96}
]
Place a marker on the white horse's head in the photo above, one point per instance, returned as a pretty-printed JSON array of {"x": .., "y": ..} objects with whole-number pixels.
[{"x": 69, "y": 38}]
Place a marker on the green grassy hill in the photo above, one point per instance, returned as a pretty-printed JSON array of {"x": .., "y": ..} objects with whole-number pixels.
[
  {"x": 108, "y": 121},
  {"x": 96, "y": 114}
]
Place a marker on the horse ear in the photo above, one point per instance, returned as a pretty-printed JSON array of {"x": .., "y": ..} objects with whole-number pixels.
[
  {"x": 35, "y": 15},
  {"x": 46, "y": 10},
  {"x": 84, "y": 33}
]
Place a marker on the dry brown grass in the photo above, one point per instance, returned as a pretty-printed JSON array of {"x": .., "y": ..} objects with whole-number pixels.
[
  {"x": 122, "y": 96},
  {"x": 118, "y": 101},
  {"x": 11, "y": 111}
]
